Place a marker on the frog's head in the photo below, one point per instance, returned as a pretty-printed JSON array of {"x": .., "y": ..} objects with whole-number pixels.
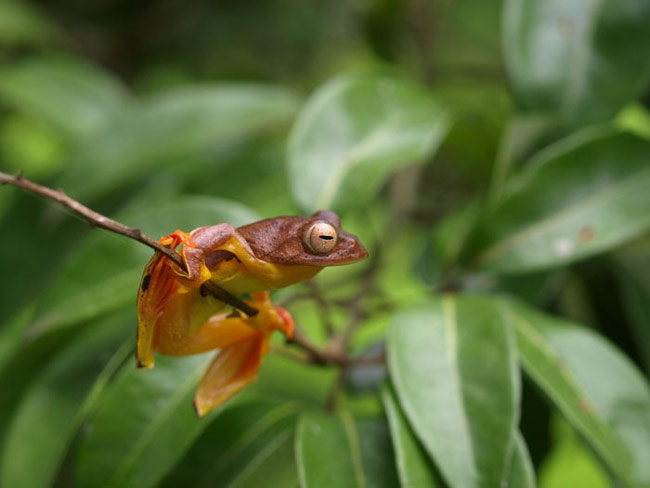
[{"x": 318, "y": 240}]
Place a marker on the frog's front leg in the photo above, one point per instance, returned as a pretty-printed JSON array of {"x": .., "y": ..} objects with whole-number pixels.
[
  {"x": 170, "y": 307},
  {"x": 213, "y": 246}
]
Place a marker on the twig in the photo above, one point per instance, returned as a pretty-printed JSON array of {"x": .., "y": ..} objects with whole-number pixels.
[
  {"x": 324, "y": 357},
  {"x": 96, "y": 219}
]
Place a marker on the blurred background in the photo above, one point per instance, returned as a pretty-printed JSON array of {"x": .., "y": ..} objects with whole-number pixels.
[{"x": 170, "y": 114}]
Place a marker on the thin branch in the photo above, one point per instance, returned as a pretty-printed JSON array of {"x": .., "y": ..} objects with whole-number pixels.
[
  {"x": 324, "y": 357},
  {"x": 96, "y": 219}
]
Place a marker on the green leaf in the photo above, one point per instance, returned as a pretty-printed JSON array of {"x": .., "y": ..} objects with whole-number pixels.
[
  {"x": 580, "y": 59},
  {"x": 104, "y": 273},
  {"x": 521, "y": 136},
  {"x": 11, "y": 333},
  {"x": 21, "y": 367},
  {"x": 71, "y": 95},
  {"x": 55, "y": 405},
  {"x": 144, "y": 424},
  {"x": 271, "y": 467},
  {"x": 444, "y": 247},
  {"x": 413, "y": 466},
  {"x": 453, "y": 365},
  {"x": 177, "y": 126},
  {"x": 339, "y": 450},
  {"x": 581, "y": 196},
  {"x": 239, "y": 445},
  {"x": 353, "y": 133},
  {"x": 634, "y": 118},
  {"x": 570, "y": 462},
  {"x": 595, "y": 387},
  {"x": 521, "y": 473},
  {"x": 633, "y": 276}
]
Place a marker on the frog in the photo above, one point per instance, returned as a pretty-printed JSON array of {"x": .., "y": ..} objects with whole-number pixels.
[{"x": 176, "y": 317}]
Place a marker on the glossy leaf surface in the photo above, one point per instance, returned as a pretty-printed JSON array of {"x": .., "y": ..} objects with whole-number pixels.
[
  {"x": 176, "y": 125},
  {"x": 339, "y": 450},
  {"x": 56, "y": 403},
  {"x": 453, "y": 365},
  {"x": 579, "y": 58},
  {"x": 597, "y": 389},
  {"x": 581, "y": 196},
  {"x": 353, "y": 133},
  {"x": 239, "y": 445},
  {"x": 72, "y": 96},
  {"x": 144, "y": 424},
  {"x": 413, "y": 465}
]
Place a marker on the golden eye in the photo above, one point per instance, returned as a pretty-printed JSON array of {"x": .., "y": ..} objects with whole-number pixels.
[{"x": 321, "y": 237}]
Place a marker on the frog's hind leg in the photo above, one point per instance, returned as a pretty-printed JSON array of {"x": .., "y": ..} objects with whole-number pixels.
[
  {"x": 218, "y": 332},
  {"x": 231, "y": 370},
  {"x": 157, "y": 286}
]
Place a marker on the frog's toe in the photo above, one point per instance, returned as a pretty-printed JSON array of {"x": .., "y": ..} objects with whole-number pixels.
[{"x": 288, "y": 326}]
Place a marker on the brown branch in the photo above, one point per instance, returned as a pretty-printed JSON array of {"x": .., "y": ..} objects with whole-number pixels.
[
  {"x": 324, "y": 357},
  {"x": 96, "y": 219}
]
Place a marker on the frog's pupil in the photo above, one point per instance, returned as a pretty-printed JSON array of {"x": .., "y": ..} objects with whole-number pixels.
[{"x": 327, "y": 238}]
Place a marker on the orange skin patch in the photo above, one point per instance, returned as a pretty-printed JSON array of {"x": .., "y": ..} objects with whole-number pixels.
[{"x": 175, "y": 319}]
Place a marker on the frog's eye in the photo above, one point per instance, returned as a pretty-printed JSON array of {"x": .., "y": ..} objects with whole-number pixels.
[{"x": 321, "y": 237}]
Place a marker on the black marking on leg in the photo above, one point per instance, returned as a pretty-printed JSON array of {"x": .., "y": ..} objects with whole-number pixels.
[{"x": 145, "y": 282}]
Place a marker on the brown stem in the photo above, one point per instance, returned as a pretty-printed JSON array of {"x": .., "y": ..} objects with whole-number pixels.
[
  {"x": 96, "y": 219},
  {"x": 324, "y": 357}
]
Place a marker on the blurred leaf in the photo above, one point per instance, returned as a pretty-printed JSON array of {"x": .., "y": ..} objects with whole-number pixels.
[
  {"x": 413, "y": 466},
  {"x": 339, "y": 450},
  {"x": 520, "y": 137},
  {"x": 444, "y": 246},
  {"x": 53, "y": 409},
  {"x": 597, "y": 389},
  {"x": 578, "y": 58},
  {"x": 453, "y": 365},
  {"x": 172, "y": 127},
  {"x": 22, "y": 23},
  {"x": 310, "y": 384},
  {"x": 633, "y": 276},
  {"x": 521, "y": 473},
  {"x": 570, "y": 463},
  {"x": 11, "y": 333},
  {"x": 238, "y": 445},
  {"x": 353, "y": 133},
  {"x": 636, "y": 119},
  {"x": 21, "y": 367},
  {"x": 104, "y": 272},
  {"x": 273, "y": 466},
  {"x": 29, "y": 147},
  {"x": 144, "y": 424},
  {"x": 581, "y": 196},
  {"x": 71, "y": 95}
]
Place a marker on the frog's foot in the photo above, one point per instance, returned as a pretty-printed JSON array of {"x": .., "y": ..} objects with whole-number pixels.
[
  {"x": 269, "y": 317},
  {"x": 288, "y": 325},
  {"x": 230, "y": 371},
  {"x": 176, "y": 238}
]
